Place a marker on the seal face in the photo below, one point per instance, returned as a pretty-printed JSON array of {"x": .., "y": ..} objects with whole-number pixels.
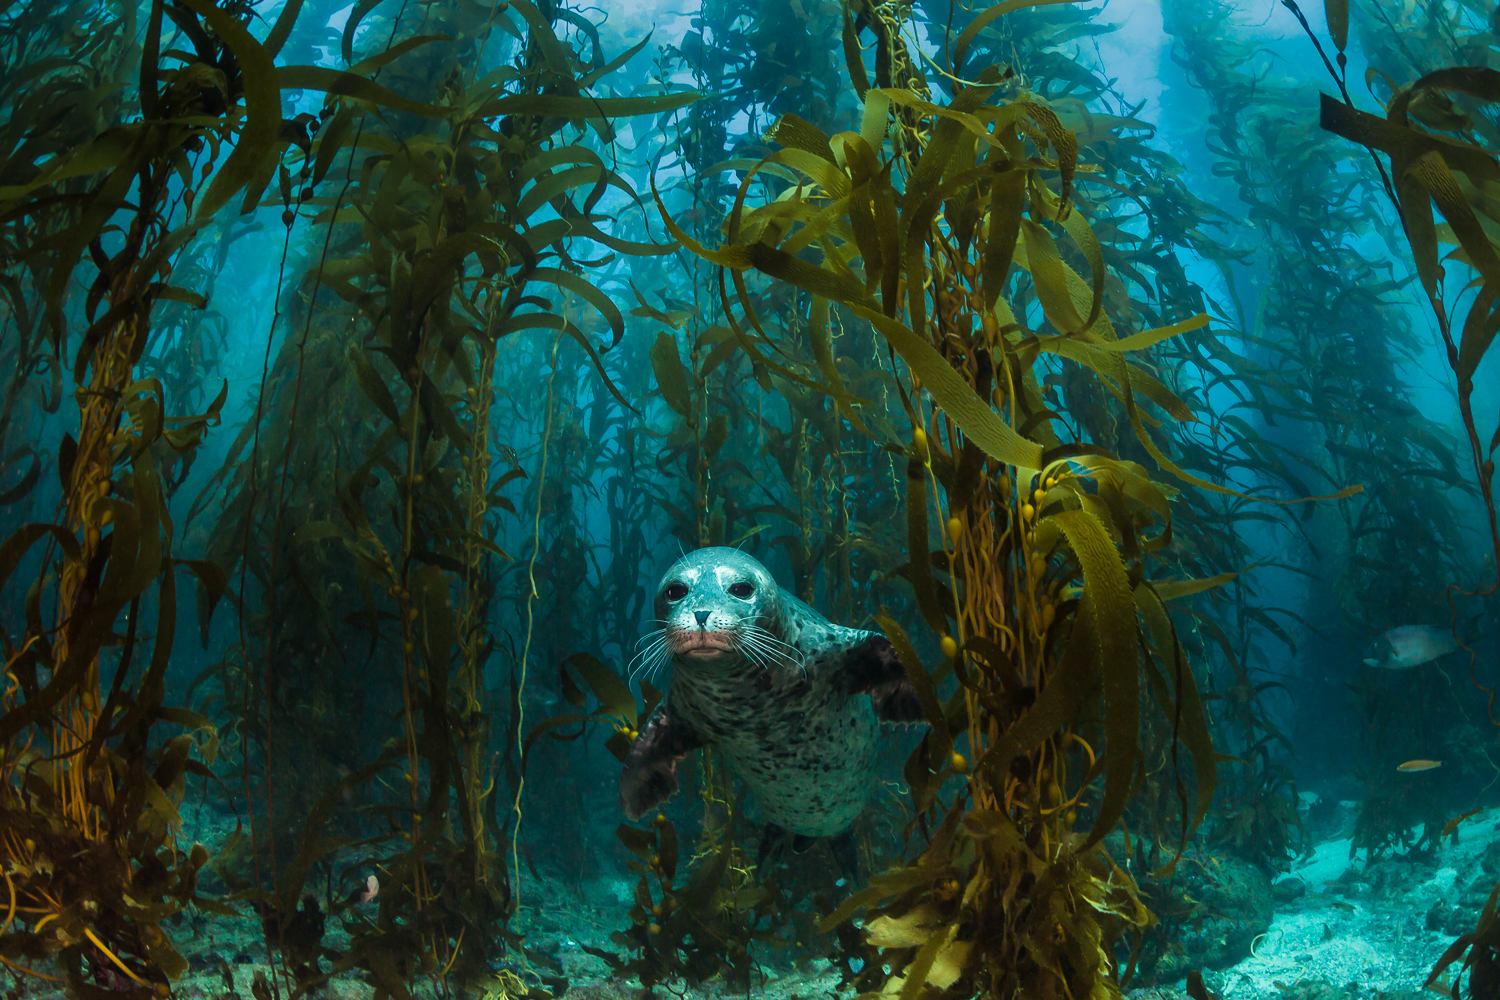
[
  {"x": 792, "y": 701},
  {"x": 716, "y": 602}
]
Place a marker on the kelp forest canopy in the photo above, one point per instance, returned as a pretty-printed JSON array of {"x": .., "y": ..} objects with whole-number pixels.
[{"x": 366, "y": 365}]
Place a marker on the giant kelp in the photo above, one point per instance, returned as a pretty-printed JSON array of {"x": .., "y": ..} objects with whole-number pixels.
[
  {"x": 1329, "y": 377},
  {"x": 92, "y": 779},
  {"x": 89, "y": 797},
  {"x": 418, "y": 498},
  {"x": 1435, "y": 145},
  {"x": 861, "y": 230}
]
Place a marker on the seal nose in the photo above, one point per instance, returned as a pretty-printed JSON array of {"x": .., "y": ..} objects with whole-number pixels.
[{"x": 702, "y": 617}]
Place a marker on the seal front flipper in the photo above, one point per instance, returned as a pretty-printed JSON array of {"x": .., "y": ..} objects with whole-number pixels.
[
  {"x": 871, "y": 667},
  {"x": 650, "y": 774}
]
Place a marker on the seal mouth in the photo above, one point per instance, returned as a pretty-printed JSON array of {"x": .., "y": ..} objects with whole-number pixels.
[{"x": 702, "y": 644}]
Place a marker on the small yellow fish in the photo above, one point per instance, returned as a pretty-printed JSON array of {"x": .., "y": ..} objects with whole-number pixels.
[{"x": 1420, "y": 765}]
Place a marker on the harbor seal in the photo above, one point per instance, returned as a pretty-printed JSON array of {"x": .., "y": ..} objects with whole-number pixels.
[{"x": 792, "y": 701}]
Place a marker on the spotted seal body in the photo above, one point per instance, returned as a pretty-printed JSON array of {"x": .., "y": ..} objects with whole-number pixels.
[{"x": 792, "y": 701}]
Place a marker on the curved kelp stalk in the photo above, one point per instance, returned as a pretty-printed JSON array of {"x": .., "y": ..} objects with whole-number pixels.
[{"x": 959, "y": 252}]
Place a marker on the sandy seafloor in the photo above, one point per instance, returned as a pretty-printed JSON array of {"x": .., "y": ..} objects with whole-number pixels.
[{"x": 1360, "y": 930}]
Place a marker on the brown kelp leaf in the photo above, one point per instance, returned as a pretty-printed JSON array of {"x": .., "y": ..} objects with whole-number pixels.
[
  {"x": 1050, "y": 279},
  {"x": 1150, "y": 338},
  {"x": 487, "y": 544},
  {"x": 257, "y": 139},
  {"x": 990, "y": 14},
  {"x": 330, "y": 140},
  {"x": 1107, "y": 597},
  {"x": 887, "y": 884},
  {"x": 978, "y": 420},
  {"x": 970, "y": 115},
  {"x": 639, "y": 842},
  {"x": 1191, "y": 722},
  {"x": 909, "y": 930},
  {"x": 666, "y": 854},
  {"x": 1482, "y": 935},
  {"x": 1059, "y": 703},
  {"x": 1063, "y": 141},
  {"x": 439, "y": 623},
  {"x": 941, "y": 740},
  {"x": 342, "y": 83},
  {"x": 282, "y": 29},
  {"x": 23, "y": 538},
  {"x": 370, "y": 64},
  {"x": 951, "y": 961},
  {"x": 614, "y": 695},
  {"x": 213, "y": 583},
  {"x": 919, "y": 565},
  {"x": 1431, "y": 171},
  {"x": 1196, "y": 990},
  {"x": 563, "y": 106},
  {"x": 798, "y": 133},
  {"x": 434, "y": 273},
  {"x": 675, "y": 319},
  {"x": 671, "y": 374},
  {"x": 372, "y": 384},
  {"x": 147, "y": 563},
  {"x": 1083, "y": 236},
  {"x": 1480, "y": 326},
  {"x": 28, "y": 481},
  {"x": 1007, "y": 197},
  {"x": 1169, "y": 590},
  {"x": 356, "y": 15},
  {"x": 589, "y": 293},
  {"x": 1337, "y": 14},
  {"x": 98, "y": 155},
  {"x": 914, "y": 977}
]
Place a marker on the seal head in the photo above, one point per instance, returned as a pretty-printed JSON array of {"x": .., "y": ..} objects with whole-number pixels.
[
  {"x": 791, "y": 700},
  {"x": 722, "y": 610}
]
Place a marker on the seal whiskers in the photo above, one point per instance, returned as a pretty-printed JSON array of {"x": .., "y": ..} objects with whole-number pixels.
[
  {"x": 651, "y": 653},
  {"x": 762, "y": 646}
]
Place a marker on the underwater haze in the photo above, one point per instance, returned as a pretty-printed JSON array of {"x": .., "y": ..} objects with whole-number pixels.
[{"x": 769, "y": 498}]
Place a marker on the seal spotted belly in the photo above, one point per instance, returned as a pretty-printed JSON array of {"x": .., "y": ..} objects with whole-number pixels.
[{"x": 791, "y": 700}]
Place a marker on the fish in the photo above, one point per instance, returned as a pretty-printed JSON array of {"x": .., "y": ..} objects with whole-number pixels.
[
  {"x": 1419, "y": 765},
  {"x": 1411, "y": 646}
]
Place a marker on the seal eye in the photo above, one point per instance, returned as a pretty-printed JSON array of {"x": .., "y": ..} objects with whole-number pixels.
[
  {"x": 676, "y": 592},
  {"x": 741, "y": 590}
]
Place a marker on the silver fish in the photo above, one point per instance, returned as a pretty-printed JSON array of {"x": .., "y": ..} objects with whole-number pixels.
[{"x": 1411, "y": 646}]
